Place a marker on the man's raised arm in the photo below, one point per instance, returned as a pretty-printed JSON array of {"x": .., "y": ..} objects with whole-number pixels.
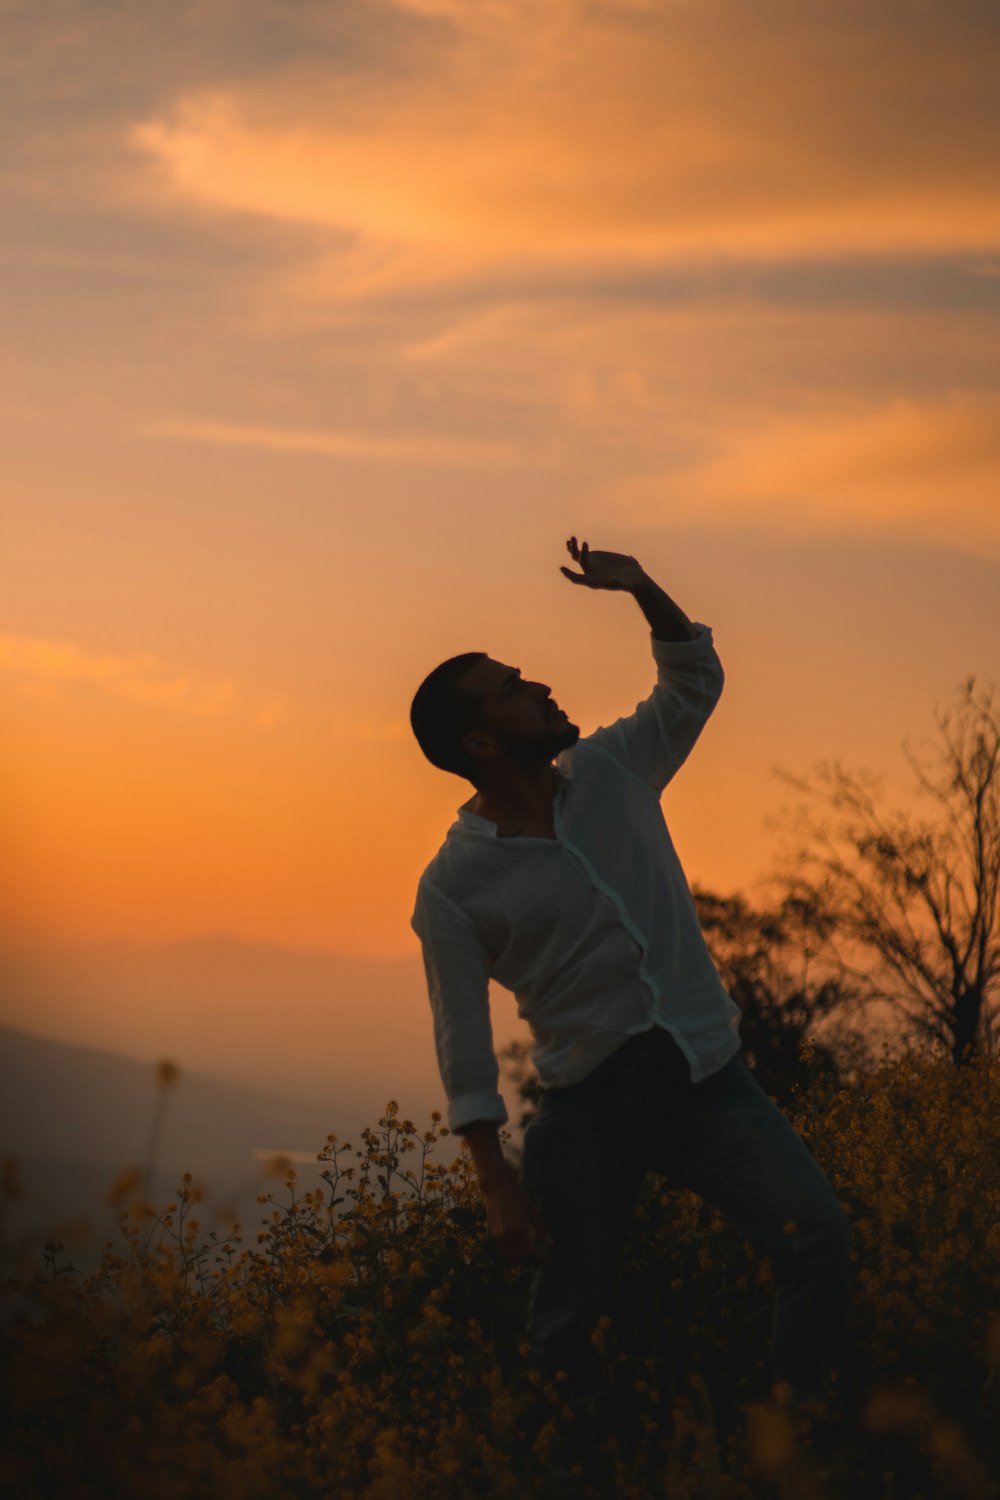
[{"x": 655, "y": 740}]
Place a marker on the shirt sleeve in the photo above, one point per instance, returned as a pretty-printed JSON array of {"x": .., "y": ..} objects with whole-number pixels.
[
  {"x": 457, "y": 969},
  {"x": 654, "y": 742}
]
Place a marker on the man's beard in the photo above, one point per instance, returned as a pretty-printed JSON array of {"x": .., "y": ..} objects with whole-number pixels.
[
  {"x": 559, "y": 737},
  {"x": 566, "y": 737}
]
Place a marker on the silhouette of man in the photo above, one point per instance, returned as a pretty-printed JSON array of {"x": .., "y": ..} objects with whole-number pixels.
[{"x": 559, "y": 880}]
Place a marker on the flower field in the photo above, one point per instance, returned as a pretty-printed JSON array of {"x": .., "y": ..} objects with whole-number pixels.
[{"x": 364, "y": 1340}]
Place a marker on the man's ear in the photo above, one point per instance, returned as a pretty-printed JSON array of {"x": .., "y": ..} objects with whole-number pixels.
[{"x": 479, "y": 742}]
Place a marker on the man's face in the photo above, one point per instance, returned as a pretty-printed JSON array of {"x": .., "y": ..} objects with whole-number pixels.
[{"x": 518, "y": 717}]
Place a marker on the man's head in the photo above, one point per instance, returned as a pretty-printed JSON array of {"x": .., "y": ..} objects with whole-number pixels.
[{"x": 473, "y": 713}]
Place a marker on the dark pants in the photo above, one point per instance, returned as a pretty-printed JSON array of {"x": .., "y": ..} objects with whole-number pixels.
[{"x": 585, "y": 1155}]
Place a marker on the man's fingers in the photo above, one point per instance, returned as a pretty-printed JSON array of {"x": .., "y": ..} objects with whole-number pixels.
[{"x": 573, "y": 577}]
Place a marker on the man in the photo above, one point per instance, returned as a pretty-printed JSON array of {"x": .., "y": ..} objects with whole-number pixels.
[{"x": 559, "y": 880}]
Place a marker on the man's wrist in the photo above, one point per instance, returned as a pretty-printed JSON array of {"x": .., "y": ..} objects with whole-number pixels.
[
  {"x": 642, "y": 578},
  {"x": 483, "y": 1140},
  {"x": 666, "y": 620},
  {"x": 495, "y": 1178}
]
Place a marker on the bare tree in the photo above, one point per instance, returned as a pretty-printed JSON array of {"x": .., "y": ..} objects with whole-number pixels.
[
  {"x": 906, "y": 906},
  {"x": 515, "y": 1063},
  {"x": 763, "y": 960},
  {"x": 762, "y": 957}
]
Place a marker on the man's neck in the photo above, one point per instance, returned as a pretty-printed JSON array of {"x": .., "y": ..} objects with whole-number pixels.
[{"x": 524, "y": 797}]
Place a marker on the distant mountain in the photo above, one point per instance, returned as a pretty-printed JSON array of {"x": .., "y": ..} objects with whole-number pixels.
[
  {"x": 349, "y": 1033},
  {"x": 276, "y": 1047},
  {"x": 74, "y": 1119}
]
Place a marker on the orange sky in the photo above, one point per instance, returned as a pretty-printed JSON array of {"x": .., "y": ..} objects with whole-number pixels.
[{"x": 327, "y": 324}]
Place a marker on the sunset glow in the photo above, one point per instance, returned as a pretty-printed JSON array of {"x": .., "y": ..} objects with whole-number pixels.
[{"x": 326, "y": 328}]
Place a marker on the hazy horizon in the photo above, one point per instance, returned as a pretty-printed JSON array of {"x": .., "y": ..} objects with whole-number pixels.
[{"x": 297, "y": 1024}]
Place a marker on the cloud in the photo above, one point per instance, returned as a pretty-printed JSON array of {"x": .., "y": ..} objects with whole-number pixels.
[
  {"x": 612, "y": 132},
  {"x": 39, "y": 666},
  {"x": 405, "y": 449},
  {"x": 645, "y": 388},
  {"x": 926, "y": 470}
]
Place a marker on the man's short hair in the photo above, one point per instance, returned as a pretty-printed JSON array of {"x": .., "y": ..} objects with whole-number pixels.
[{"x": 442, "y": 712}]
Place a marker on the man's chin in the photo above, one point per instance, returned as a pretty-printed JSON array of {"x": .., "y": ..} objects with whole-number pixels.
[{"x": 567, "y": 737}]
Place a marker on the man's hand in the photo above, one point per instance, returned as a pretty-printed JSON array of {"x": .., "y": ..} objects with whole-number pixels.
[
  {"x": 515, "y": 1224},
  {"x": 613, "y": 570},
  {"x": 603, "y": 570}
]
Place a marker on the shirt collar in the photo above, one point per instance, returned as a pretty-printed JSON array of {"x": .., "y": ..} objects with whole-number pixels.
[{"x": 563, "y": 767}]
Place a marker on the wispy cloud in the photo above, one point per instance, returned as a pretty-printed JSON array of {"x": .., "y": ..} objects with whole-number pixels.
[
  {"x": 406, "y": 449},
  {"x": 622, "y": 132},
  {"x": 38, "y": 667},
  {"x": 924, "y": 470}
]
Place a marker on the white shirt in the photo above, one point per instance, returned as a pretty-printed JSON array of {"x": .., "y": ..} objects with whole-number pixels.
[{"x": 595, "y": 931}]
